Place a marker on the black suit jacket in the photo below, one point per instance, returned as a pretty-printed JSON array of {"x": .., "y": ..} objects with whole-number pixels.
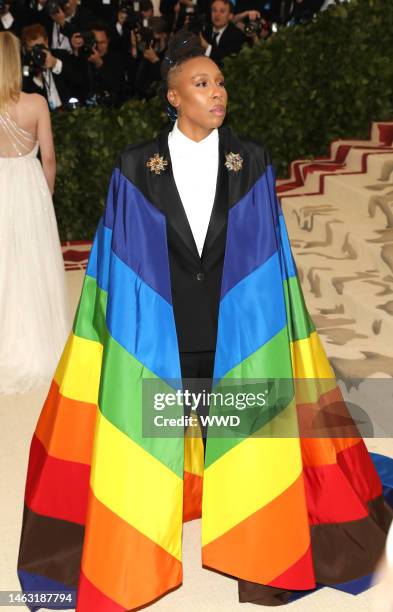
[
  {"x": 195, "y": 280},
  {"x": 231, "y": 41}
]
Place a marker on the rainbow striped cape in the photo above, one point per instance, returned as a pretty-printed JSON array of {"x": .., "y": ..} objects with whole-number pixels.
[{"x": 105, "y": 505}]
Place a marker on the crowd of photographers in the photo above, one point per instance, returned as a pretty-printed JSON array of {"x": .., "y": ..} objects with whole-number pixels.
[{"x": 89, "y": 52}]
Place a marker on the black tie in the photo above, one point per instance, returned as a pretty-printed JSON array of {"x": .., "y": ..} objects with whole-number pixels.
[{"x": 214, "y": 43}]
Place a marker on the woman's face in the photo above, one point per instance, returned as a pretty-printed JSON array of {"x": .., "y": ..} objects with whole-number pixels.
[{"x": 197, "y": 91}]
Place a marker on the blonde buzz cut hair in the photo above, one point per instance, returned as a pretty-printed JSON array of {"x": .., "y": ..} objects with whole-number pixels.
[{"x": 10, "y": 69}]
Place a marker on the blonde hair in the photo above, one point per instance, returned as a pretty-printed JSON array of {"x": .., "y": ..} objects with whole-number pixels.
[{"x": 10, "y": 69}]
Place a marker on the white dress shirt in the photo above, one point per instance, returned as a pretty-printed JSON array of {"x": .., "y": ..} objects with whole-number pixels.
[
  {"x": 59, "y": 40},
  {"x": 46, "y": 80},
  {"x": 195, "y": 168}
]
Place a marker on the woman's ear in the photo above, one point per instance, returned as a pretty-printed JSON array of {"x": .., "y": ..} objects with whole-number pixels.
[{"x": 173, "y": 98}]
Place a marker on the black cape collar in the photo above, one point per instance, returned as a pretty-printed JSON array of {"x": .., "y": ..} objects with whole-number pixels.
[{"x": 174, "y": 208}]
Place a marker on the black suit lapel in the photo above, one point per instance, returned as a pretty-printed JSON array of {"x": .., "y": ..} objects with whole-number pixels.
[
  {"x": 218, "y": 218},
  {"x": 174, "y": 209}
]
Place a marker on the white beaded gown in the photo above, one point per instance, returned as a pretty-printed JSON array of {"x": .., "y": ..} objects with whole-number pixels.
[{"x": 34, "y": 310}]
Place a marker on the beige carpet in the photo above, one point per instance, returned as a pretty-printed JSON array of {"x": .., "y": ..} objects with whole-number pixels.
[
  {"x": 202, "y": 590},
  {"x": 339, "y": 213}
]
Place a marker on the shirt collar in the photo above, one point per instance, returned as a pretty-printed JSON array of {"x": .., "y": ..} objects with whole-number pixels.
[
  {"x": 221, "y": 30},
  {"x": 209, "y": 144}
]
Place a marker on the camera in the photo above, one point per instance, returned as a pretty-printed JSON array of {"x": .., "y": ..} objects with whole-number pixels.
[
  {"x": 253, "y": 26},
  {"x": 197, "y": 23},
  {"x": 34, "y": 60},
  {"x": 144, "y": 37},
  {"x": 52, "y": 7},
  {"x": 89, "y": 44}
]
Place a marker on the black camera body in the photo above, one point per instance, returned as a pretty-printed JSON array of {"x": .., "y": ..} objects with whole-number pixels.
[
  {"x": 144, "y": 37},
  {"x": 52, "y": 7},
  {"x": 197, "y": 23},
  {"x": 253, "y": 26},
  {"x": 34, "y": 60},
  {"x": 89, "y": 44}
]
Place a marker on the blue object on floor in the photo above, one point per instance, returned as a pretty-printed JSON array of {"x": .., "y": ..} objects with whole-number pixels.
[
  {"x": 384, "y": 467},
  {"x": 354, "y": 587},
  {"x": 33, "y": 582}
]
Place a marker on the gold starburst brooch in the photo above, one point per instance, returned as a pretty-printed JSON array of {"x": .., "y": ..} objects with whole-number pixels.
[
  {"x": 234, "y": 162},
  {"x": 157, "y": 163}
]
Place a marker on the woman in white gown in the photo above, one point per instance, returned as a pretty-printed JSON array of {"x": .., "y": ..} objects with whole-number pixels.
[{"x": 34, "y": 311}]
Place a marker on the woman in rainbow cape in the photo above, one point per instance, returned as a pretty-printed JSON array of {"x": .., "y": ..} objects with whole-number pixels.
[{"x": 292, "y": 502}]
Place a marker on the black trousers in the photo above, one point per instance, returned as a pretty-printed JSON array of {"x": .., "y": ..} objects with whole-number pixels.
[{"x": 197, "y": 373}]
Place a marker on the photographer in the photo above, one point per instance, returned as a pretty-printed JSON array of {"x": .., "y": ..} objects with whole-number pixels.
[
  {"x": 150, "y": 44},
  {"x": 120, "y": 32},
  {"x": 221, "y": 37},
  {"x": 253, "y": 25},
  {"x": 12, "y": 16},
  {"x": 130, "y": 14},
  {"x": 103, "y": 69},
  {"x": 53, "y": 74},
  {"x": 69, "y": 19},
  {"x": 196, "y": 22},
  {"x": 180, "y": 13}
]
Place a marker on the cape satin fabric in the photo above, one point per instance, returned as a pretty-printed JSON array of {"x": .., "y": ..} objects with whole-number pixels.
[{"x": 104, "y": 506}]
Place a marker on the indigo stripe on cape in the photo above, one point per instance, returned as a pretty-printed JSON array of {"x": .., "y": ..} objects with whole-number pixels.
[
  {"x": 139, "y": 234},
  {"x": 251, "y": 237}
]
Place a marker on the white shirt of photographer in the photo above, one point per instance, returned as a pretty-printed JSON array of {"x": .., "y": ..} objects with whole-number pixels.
[
  {"x": 59, "y": 40},
  {"x": 195, "y": 169},
  {"x": 47, "y": 81}
]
